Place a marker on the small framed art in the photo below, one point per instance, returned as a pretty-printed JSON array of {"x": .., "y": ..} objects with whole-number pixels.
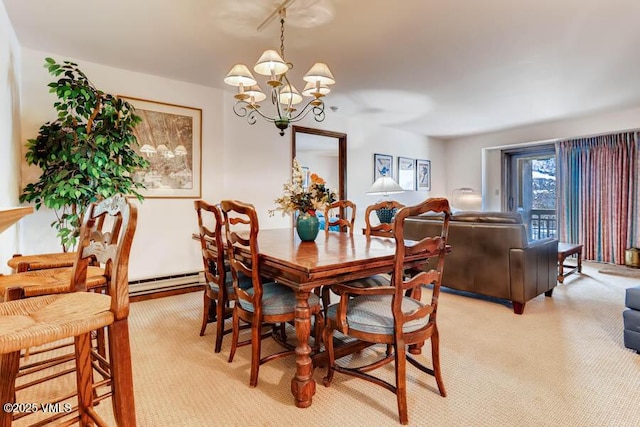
[
  {"x": 407, "y": 173},
  {"x": 423, "y": 170},
  {"x": 382, "y": 166}
]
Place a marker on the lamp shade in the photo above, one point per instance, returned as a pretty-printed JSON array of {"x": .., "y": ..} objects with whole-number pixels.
[
  {"x": 466, "y": 199},
  {"x": 255, "y": 93},
  {"x": 270, "y": 62},
  {"x": 289, "y": 94},
  {"x": 385, "y": 185},
  {"x": 310, "y": 89},
  {"x": 240, "y": 75},
  {"x": 319, "y": 73}
]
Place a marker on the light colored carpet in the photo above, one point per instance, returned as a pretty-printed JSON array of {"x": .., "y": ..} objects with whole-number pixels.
[{"x": 562, "y": 363}]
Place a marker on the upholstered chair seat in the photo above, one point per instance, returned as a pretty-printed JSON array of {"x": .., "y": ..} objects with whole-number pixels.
[
  {"x": 276, "y": 299},
  {"x": 372, "y": 314}
]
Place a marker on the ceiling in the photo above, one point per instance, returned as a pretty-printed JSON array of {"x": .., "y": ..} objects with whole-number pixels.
[{"x": 443, "y": 68}]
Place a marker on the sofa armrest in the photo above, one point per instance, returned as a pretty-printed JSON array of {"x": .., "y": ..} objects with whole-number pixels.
[
  {"x": 546, "y": 241},
  {"x": 534, "y": 269}
]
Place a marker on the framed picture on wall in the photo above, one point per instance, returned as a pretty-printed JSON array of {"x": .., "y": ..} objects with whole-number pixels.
[
  {"x": 407, "y": 173},
  {"x": 423, "y": 170},
  {"x": 170, "y": 138},
  {"x": 382, "y": 166}
]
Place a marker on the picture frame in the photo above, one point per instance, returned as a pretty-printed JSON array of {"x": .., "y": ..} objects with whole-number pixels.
[
  {"x": 423, "y": 175},
  {"x": 382, "y": 166},
  {"x": 170, "y": 138},
  {"x": 407, "y": 173}
]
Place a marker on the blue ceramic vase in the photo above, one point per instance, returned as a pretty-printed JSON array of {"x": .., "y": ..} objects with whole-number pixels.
[{"x": 307, "y": 226}]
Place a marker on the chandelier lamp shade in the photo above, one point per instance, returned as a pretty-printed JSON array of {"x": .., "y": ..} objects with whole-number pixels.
[{"x": 284, "y": 95}]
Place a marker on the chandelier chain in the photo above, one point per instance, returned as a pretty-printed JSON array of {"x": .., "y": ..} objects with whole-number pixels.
[{"x": 282, "y": 37}]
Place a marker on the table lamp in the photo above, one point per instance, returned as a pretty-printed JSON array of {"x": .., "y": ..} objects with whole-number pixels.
[
  {"x": 466, "y": 199},
  {"x": 384, "y": 186}
]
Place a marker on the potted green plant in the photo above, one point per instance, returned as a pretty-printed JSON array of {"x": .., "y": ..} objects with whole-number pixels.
[{"x": 87, "y": 153}]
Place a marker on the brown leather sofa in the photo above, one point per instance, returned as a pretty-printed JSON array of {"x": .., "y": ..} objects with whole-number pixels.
[{"x": 491, "y": 256}]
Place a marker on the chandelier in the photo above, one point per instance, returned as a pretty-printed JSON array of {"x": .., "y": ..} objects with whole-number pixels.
[{"x": 284, "y": 95}]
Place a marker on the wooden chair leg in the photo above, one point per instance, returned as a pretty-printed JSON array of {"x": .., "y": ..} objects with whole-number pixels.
[
  {"x": 220, "y": 309},
  {"x": 121, "y": 375},
  {"x": 84, "y": 377},
  {"x": 327, "y": 338},
  {"x": 319, "y": 329},
  {"x": 326, "y": 299},
  {"x": 235, "y": 334},
  {"x": 256, "y": 343},
  {"x": 435, "y": 356},
  {"x": 101, "y": 340},
  {"x": 401, "y": 382},
  {"x": 205, "y": 312},
  {"x": 9, "y": 364}
]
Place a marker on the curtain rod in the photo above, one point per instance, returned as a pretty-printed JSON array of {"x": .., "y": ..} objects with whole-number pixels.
[{"x": 596, "y": 135}]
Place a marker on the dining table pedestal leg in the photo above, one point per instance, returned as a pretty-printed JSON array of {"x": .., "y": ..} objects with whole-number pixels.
[{"x": 303, "y": 386}]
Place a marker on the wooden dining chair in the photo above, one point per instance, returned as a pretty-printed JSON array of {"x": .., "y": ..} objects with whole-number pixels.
[
  {"x": 265, "y": 302},
  {"x": 345, "y": 218},
  {"x": 218, "y": 289},
  {"x": 395, "y": 315},
  {"x": 381, "y": 229},
  {"x": 40, "y": 320}
]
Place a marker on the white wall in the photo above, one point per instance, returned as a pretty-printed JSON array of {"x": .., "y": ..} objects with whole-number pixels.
[
  {"x": 474, "y": 161},
  {"x": 162, "y": 245},
  {"x": 9, "y": 133},
  {"x": 239, "y": 161}
]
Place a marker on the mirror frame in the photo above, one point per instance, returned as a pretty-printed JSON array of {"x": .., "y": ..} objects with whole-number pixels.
[{"x": 342, "y": 153}]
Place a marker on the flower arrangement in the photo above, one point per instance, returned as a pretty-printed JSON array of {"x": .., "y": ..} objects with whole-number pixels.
[{"x": 296, "y": 198}]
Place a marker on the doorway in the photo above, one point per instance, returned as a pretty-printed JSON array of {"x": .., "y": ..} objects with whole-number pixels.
[{"x": 529, "y": 188}]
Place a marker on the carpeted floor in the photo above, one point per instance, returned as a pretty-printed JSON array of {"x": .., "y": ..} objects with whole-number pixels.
[
  {"x": 562, "y": 363},
  {"x": 619, "y": 270}
]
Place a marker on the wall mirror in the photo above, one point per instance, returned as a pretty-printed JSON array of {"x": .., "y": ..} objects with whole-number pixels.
[{"x": 324, "y": 153}]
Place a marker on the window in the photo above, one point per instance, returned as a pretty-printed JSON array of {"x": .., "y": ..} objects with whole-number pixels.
[{"x": 529, "y": 186}]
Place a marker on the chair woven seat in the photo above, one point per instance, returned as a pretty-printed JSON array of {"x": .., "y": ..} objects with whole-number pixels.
[
  {"x": 35, "y": 321},
  {"x": 51, "y": 281},
  {"x": 43, "y": 261}
]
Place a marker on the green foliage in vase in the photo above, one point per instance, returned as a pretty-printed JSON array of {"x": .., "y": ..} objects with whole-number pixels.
[{"x": 86, "y": 154}]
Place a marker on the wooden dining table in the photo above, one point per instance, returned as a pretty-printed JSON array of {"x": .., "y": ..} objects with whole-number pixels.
[{"x": 304, "y": 266}]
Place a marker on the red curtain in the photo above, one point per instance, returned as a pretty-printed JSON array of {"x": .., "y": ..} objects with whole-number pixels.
[{"x": 598, "y": 190}]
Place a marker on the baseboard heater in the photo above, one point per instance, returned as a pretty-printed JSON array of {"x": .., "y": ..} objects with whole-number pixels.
[{"x": 165, "y": 283}]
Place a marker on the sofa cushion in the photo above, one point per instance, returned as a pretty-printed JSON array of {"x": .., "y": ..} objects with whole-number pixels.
[
  {"x": 632, "y": 340},
  {"x": 632, "y": 299},
  {"x": 631, "y": 319}
]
